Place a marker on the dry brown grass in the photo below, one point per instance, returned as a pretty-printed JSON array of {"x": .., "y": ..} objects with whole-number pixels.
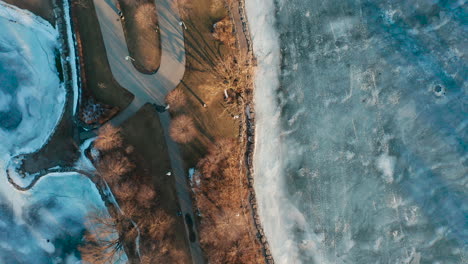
[
  {"x": 145, "y": 16},
  {"x": 142, "y": 33},
  {"x": 183, "y": 129},
  {"x": 176, "y": 99},
  {"x": 184, "y": 6},
  {"x": 109, "y": 137}
]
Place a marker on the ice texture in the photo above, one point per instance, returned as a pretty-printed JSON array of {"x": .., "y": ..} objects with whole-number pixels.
[
  {"x": 30, "y": 83},
  {"x": 44, "y": 224},
  {"x": 361, "y": 137}
]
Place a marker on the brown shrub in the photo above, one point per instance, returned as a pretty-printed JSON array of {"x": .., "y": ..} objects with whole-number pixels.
[
  {"x": 176, "y": 99},
  {"x": 223, "y": 31},
  {"x": 109, "y": 137},
  {"x": 182, "y": 129},
  {"x": 145, "y": 16}
]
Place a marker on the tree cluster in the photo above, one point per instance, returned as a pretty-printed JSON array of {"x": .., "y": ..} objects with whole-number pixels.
[
  {"x": 225, "y": 228},
  {"x": 137, "y": 197}
]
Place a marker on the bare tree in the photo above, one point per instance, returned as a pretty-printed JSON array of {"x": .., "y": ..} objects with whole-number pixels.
[
  {"x": 109, "y": 137},
  {"x": 183, "y": 129},
  {"x": 112, "y": 167},
  {"x": 176, "y": 99},
  {"x": 105, "y": 237},
  {"x": 160, "y": 224},
  {"x": 125, "y": 190},
  {"x": 145, "y": 16},
  {"x": 145, "y": 196}
]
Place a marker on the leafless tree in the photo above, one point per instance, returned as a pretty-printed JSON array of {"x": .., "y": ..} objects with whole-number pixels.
[
  {"x": 113, "y": 166},
  {"x": 176, "y": 99},
  {"x": 105, "y": 237},
  {"x": 161, "y": 223},
  {"x": 125, "y": 191},
  {"x": 145, "y": 196},
  {"x": 145, "y": 16},
  {"x": 183, "y": 129},
  {"x": 109, "y": 137}
]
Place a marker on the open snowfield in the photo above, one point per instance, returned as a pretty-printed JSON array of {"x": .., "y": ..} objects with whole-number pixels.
[{"x": 45, "y": 223}]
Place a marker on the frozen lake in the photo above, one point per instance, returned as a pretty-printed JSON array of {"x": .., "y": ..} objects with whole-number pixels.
[
  {"x": 362, "y": 128},
  {"x": 44, "y": 224}
]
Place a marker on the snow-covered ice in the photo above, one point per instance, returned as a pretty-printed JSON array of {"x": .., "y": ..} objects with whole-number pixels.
[
  {"x": 361, "y": 119},
  {"x": 29, "y": 77},
  {"x": 44, "y": 224}
]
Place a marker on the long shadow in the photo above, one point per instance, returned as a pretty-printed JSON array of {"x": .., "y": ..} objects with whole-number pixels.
[
  {"x": 112, "y": 5},
  {"x": 194, "y": 94}
]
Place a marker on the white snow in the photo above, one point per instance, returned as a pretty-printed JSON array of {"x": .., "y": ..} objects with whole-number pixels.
[
  {"x": 5, "y": 100},
  {"x": 269, "y": 186},
  {"x": 43, "y": 224},
  {"x": 72, "y": 55},
  {"x": 27, "y": 46},
  {"x": 386, "y": 164}
]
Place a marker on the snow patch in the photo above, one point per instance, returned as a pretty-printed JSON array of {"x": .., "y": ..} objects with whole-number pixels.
[{"x": 386, "y": 165}]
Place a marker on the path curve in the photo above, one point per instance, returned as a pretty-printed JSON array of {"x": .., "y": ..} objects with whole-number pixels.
[{"x": 151, "y": 88}]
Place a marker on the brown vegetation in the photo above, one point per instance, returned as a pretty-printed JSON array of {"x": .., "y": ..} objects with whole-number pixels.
[
  {"x": 176, "y": 99},
  {"x": 183, "y": 129},
  {"x": 142, "y": 33},
  {"x": 105, "y": 237},
  {"x": 145, "y": 196},
  {"x": 108, "y": 138},
  {"x": 223, "y": 31},
  {"x": 145, "y": 16},
  {"x": 222, "y": 199},
  {"x": 112, "y": 167}
]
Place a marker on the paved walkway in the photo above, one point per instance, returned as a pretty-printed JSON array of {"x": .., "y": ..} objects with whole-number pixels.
[{"x": 151, "y": 88}]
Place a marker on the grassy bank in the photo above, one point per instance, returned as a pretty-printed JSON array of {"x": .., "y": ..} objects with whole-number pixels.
[
  {"x": 144, "y": 132},
  {"x": 133, "y": 160},
  {"x": 142, "y": 34},
  {"x": 216, "y": 68},
  {"x": 98, "y": 82}
]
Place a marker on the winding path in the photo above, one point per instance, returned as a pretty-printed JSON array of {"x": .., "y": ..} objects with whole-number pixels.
[{"x": 151, "y": 88}]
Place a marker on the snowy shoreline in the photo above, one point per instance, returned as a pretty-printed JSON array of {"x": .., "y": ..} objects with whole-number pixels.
[{"x": 266, "y": 157}]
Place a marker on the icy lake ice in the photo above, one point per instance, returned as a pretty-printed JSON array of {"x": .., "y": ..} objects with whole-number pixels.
[
  {"x": 361, "y": 130},
  {"x": 45, "y": 223}
]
